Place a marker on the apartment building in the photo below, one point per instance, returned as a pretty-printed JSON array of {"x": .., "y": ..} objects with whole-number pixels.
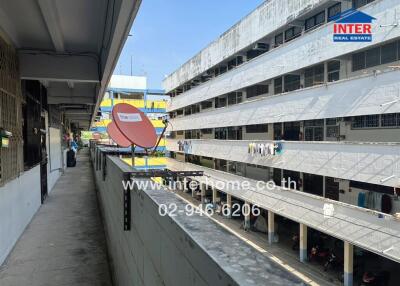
[
  {"x": 132, "y": 90},
  {"x": 277, "y": 78}
]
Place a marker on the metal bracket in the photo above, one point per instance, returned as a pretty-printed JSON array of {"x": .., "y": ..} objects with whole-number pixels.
[{"x": 127, "y": 206}]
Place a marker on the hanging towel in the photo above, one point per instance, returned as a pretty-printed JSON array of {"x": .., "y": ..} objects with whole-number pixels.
[{"x": 361, "y": 199}]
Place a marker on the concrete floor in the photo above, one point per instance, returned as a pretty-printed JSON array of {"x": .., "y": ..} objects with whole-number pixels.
[{"x": 65, "y": 242}]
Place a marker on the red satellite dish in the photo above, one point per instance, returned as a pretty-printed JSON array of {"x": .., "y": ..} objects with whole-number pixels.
[
  {"x": 134, "y": 125},
  {"x": 117, "y": 136}
]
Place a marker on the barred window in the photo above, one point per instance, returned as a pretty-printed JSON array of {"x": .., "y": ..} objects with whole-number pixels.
[
  {"x": 358, "y": 61},
  {"x": 373, "y": 57},
  {"x": 389, "y": 53},
  {"x": 206, "y": 104},
  {"x": 333, "y": 70},
  {"x": 366, "y": 121},
  {"x": 390, "y": 120},
  {"x": 359, "y": 3},
  {"x": 257, "y": 128},
  {"x": 334, "y": 11},
  {"x": 278, "y": 85},
  {"x": 332, "y": 131},
  {"x": 314, "y": 75}
]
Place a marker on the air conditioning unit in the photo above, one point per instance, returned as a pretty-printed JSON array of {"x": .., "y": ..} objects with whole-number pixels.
[{"x": 261, "y": 46}]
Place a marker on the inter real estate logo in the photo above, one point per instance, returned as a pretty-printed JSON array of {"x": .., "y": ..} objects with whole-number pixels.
[{"x": 352, "y": 26}]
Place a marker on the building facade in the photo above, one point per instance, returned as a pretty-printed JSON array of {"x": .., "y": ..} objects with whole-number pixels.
[
  {"x": 133, "y": 91},
  {"x": 276, "y": 97}
]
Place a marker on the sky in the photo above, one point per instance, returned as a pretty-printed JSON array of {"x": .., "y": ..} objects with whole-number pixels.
[{"x": 166, "y": 33}]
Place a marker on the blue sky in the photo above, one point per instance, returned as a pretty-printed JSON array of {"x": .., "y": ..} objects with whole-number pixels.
[{"x": 166, "y": 33}]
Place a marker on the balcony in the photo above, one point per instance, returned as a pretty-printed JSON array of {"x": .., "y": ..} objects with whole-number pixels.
[
  {"x": 297, "y": 54},
  {"x": 379, "y": 94},
  {"x": 367, "y": 229},
  {"x": 366, "y": 162}
]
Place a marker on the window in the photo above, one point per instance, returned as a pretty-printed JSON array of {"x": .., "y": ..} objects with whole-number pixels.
[
  {"x": 376, "y": 56},
  {"x": 359, "y": 3},
  {"x": 220, "y": 102},
  {"x": 333, "y": 71},
  {"x": 358, "y": 61},
  {"x": 389, "y": 53},
  {"x": 234, "y": 133},
  {"x": 292, "y": 82},
  {"x": 314, "y": 130},
  {"x": 256, "y": 90},
  {"x": 238, "y": 60},
  {"x": 257, "y": 128},
  {"x": 292, "y": 33},
  {"x": 234, "y": 98},
  {"x": 254, "y": 53},
  {"x": 334, "y": 11},
  {"x": 366, "y": 121},
  {"x": 314, "y": 75},
  {"x": 278, "y": 85},
  {"x": 332, "y": 128},
  {"x": 315, "y": 21},
  {"x": 206, "y": 104},
  {"x": 372, "y": 120},
  {"x": 373, "y": 57},
  {"x": 390, "y": 120},
  {"x": 206, "y": 131},
  {"x": 278, "y": 39}
]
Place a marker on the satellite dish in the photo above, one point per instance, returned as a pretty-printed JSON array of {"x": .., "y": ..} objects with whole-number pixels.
[
  {"x": 134, "y": 125},
  {"x": 117, "y": 136}
]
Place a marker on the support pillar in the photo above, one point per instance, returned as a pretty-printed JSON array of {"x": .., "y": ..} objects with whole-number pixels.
[
  {"x": 348, "y": 264},
  {"x": 303, "y": 242},
  {"x": 301, "y": 187},
  {"x": 246, "y": 212},
  {"x": 203, "y": 192},
  {"x": 271, "y": 227},
  {"x": 214, "y": 196},
  {"x": 229, "y": 205}
]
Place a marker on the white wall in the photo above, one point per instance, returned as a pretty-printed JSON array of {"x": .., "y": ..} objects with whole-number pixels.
[
  {"x": 344, "y": 98},
  {"x": 54, "y": 165},
  {"x": 365, "y": 162},
  {"x": 19, "y": 201},
  {"x": 309, "y": 49}
]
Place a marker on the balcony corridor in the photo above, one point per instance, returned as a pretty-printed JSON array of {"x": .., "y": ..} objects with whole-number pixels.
[{"x": 65, "y": 243}]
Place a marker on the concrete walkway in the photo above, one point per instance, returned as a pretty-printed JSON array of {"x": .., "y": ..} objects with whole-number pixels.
[
  {"x": 312, "y": 274},
  {"x": 65, "y": 242}
]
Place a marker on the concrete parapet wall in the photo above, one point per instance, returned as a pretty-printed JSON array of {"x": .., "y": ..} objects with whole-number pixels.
[{"x": 181, "y": 250}]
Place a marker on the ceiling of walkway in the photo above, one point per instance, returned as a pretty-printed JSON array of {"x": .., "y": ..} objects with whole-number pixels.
[{"x": 71, "y": 46}]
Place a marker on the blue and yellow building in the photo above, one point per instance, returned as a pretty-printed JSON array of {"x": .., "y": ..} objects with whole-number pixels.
[{"x": 133, "y": 91}]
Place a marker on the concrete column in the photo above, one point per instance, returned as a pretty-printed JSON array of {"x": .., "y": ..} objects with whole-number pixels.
[
  {"x": 203, "y": 192},
  {"x": 301, "y": 188},
  {"x": 271, "y": 227},
  {"x": 348, "y": 264},
  {"x": 323, "y": 186},
  {"x": 325, "y": 72},
  {"x": 303, "y": 242},
  {"x": 214, "y": 196},
  {"x": 229, "y": 205},
  {"x": 246, "y": 212}
]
